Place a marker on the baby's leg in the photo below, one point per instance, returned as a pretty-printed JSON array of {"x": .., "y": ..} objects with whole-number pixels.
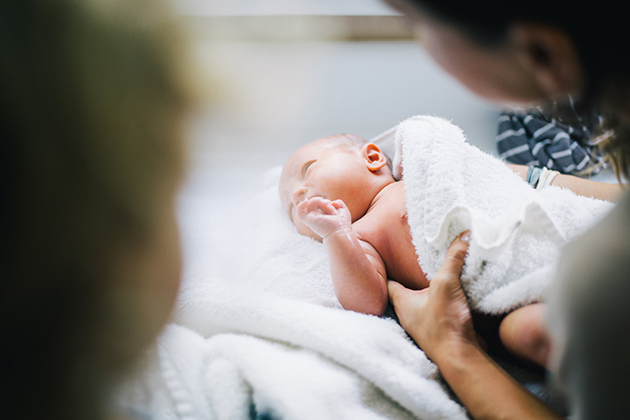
[{"x": 524, "y": 333}]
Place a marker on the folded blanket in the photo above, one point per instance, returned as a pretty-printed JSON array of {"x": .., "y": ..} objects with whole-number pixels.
[{"x": 517, "y": 231}]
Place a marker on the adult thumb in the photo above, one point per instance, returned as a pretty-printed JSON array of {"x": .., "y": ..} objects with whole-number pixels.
[{"x": 454, "y": 261}]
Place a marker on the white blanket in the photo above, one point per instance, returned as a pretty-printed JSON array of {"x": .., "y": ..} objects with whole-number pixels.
[
  {"x": 260, "y": 332},
  {"x": 517, "y": 231}
]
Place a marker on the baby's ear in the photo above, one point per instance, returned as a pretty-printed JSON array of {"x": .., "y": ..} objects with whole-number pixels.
[{"x": 374, "y": 157}]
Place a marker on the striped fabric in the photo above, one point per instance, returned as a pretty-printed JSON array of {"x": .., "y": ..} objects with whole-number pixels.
[{"x": 536, "y": 140}]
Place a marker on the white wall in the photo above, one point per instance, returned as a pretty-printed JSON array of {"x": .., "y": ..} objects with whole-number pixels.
[
  {"x": 281, "y": 95},
  {"x": 283, "y": 7}
]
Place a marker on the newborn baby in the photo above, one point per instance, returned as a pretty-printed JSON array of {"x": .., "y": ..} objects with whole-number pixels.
[{"x": 340, "y": 190}]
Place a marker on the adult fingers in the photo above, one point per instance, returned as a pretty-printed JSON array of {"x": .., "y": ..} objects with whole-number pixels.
[
  {"x": 397, "y": 293},
  {"x": 407, "y": 303}
]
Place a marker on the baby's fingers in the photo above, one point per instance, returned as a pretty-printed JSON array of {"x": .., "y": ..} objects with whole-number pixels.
[
  {"x": 338, "y": 204},
  {"x": 316, "y": 204}
]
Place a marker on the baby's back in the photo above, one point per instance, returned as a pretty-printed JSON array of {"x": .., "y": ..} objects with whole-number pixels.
[{"x": 386, "y": 228}]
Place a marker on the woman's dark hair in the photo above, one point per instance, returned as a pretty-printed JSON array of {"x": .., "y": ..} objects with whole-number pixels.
[
  {"x": 92, "y": 99},
  {"x": 599, "y": 32}
]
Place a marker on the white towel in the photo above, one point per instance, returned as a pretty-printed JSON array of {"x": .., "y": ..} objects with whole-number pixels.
[{"x": 517, "y": 231}]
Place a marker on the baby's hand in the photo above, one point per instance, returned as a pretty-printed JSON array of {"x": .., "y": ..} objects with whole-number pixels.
[{"x": 323, "y": 216}]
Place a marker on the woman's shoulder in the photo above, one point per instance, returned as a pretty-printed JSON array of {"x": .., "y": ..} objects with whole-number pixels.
[
  {"x": 589, "y": 316},
  {"x": 609, "y": 236}
]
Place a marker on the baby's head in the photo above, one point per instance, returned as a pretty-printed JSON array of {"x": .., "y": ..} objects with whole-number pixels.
[{"x": 341, "y": 167}]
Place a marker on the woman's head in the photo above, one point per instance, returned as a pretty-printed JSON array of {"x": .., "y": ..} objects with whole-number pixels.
[
  {"x": 92, "y": 100},
  {"x": 532, "y": 53}
]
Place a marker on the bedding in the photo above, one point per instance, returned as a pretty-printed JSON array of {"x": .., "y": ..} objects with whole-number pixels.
[{"x": 258, "y": 332}]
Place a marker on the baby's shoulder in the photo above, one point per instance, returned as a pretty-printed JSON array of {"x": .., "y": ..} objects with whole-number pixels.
[
  {"x": 388, "y": 209},
  {"x": 392, "y": 198}
]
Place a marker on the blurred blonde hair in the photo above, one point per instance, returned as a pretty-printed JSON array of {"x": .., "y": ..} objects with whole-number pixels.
[{"x": 93, "y": 95}]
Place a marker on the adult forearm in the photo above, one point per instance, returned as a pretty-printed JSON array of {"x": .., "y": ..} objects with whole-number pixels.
[
  {"x": 486, "y": 390},
  {"x": 602, "y": 190},
  {"x": 585, "y": 187},
  {"x": 359, "y": 285}
]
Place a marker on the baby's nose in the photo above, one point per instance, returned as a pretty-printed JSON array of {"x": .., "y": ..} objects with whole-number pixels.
[{"x": 298, "y": 194}]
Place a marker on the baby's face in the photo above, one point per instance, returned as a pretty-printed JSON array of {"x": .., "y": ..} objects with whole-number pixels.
[{"x": 321, "y": 169}]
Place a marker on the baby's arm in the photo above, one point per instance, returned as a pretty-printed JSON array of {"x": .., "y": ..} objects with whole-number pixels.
[{"x": 357, "y": 269}]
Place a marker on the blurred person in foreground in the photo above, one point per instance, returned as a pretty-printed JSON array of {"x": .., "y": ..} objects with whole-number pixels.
[
  {"x": 93, "y": 98},
  {"x": 541, "y": 52}
]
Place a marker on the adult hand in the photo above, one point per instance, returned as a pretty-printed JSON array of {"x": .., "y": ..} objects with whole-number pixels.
[
  {"x": 439, "y": 320},
  {"x": 437, "y": 317}
]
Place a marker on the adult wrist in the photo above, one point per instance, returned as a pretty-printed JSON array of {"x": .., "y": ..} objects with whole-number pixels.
[
  {"x": 540, "y": 177},
  {"x": 546, "y": 176},
  {"x": 456, "y": 352}
]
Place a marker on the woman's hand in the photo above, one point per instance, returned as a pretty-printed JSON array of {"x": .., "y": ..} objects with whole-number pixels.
[{"x": 437, "y": 317}]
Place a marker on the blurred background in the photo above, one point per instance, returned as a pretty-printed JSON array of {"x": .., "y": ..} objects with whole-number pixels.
[{"x": 291, "y": 71}]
